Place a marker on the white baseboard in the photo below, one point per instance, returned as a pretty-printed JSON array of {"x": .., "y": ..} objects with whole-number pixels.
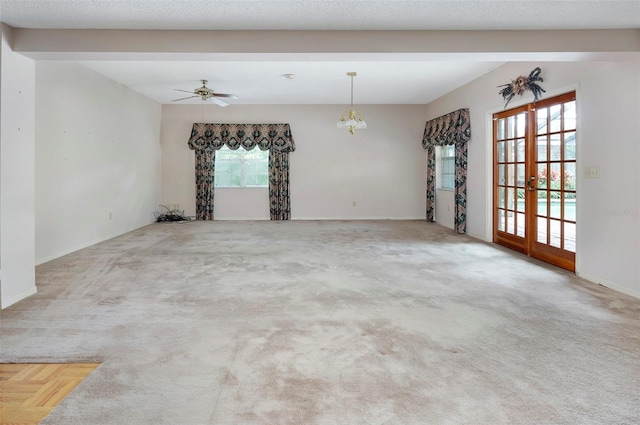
[
  {"x": 19, "y": 297},
  {"x": 611, "y": 285},
  {"x": 355, "y": 218}
]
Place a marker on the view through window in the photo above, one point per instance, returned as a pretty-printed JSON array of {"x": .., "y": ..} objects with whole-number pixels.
[{"x": 241, "y": 168}]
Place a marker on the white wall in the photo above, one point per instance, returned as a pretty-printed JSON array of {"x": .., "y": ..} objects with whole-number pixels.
[
  {"x": 608, "y": 208},
  {"x": 382, "y": 169},
  {"x": 97, "y": 159},
  {"x": 17, "y": 105}
]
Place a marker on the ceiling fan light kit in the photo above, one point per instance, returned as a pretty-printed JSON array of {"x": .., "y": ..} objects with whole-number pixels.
[
  {"x": 351, "y": 120},
  {"x": 205, "y": 93}
]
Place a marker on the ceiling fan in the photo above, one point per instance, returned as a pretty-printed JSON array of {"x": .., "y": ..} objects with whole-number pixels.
[{"x": 205, "y": 93}]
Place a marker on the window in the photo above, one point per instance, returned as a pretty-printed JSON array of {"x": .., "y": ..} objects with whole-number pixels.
[
  {"x": 242, "y": 168},
  {"x": 448, "y": 167}
]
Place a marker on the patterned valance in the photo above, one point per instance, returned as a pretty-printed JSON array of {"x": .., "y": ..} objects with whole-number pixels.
[
  {"x": 448, "y": 129},
  {"x": 265, "y": 136}
]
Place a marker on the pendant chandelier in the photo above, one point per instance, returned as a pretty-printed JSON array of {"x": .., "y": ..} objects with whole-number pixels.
[{"x": 351, "y": 119}]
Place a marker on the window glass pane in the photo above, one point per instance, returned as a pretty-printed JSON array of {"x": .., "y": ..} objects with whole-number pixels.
[
  {"x": 570, "y": 115},
  {"x": 222, "y": 179},
  {"x": 501, "y": 180},
  {"x": 501, "y": 197},
  {"x": 501, "y": 220},
  {"x": 239, "y": 168},
  {"x": 570, "y": 145}
]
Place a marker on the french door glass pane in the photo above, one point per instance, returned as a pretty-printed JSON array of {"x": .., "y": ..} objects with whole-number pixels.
[
  {"x": 569, "y": 180},
  {"x": 510, "y": 174},
  {"x": 554, "y": 146},
  {"x": 521, "y": 125},
  {"x": 511, "y": 222},
  {"x": 501, "y": 197},
  {"x": 500, "y": 152},
  {"x": 569, "y": 206},
  {"x": 521, "y": 225},
  {"x": 541, "y": 237},
  {"x": 501, "y": 180},
  {"x": 510, "y": 198},
  {"x": 554, "y": 176},
  {"x": 554, "y": 205},
  {"x": 541, "y": 148},
  {"x": 543, "y": 199},
  {"x": 520, "y": 150},
  {"x": 510, "y": 151},
  {"x": 520, "y": 203},
  {"x": 541, "y": 117},
  {"x": 501, "y": 128},
  {"x": 555, "y": 116},
  {"x": 554, "y": 233},
  {"x": 542, "y": 176},
  {"x": 570, "y": 145},
  {"x": 501, "y": 220},
  {"x": 511, "y": 127},
  {"x": 520, "y": 179},
  {"x": 570, "y": 237},
  {"x": 570, "y": 115}
]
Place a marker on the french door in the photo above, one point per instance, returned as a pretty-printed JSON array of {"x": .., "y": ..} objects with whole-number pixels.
[{"x": 534, "y": 169}]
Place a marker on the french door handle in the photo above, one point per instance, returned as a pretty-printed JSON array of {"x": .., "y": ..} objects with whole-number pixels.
[{"x": 531, "y": 184}]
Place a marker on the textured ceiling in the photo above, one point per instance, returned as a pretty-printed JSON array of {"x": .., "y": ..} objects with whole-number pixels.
[{"x": 318, "y": 80}]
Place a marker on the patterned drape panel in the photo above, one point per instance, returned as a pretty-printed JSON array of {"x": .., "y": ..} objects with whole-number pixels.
[
  {"x": 450, "y": 129},
  {"x": 207, "y": 138},
  {"x": 205, "y": 170},
  {"x": 279, "y": 201}
]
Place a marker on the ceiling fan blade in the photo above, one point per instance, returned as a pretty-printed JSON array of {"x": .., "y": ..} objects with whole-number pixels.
[
  {"x": 218, "y": 101},
  {"x": 230, "y": 96},
  {"x": 184, "y": 98},
  {"x": 186, "y": 91}
]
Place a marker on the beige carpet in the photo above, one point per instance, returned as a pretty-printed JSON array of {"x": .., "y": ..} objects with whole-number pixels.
[{"x": 328, "y": 323}]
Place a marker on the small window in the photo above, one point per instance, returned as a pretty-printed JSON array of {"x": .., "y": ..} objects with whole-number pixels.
[
  {"x": 448, "y": 167},
  {"x": 241, "y": 168}
]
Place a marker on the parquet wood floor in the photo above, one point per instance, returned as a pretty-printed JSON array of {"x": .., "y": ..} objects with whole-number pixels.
[{"x": 29, "y": 392}]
